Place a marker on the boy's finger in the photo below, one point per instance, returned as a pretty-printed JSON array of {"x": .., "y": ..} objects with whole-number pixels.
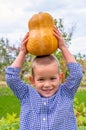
[
  {"x": 26, "y": 36},
  {"x": 57, "y": 32},
  {"x": 24, "y": 41}
]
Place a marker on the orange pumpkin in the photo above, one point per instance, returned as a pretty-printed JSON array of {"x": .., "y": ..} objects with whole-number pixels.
[{"x": 41, "y": 40}]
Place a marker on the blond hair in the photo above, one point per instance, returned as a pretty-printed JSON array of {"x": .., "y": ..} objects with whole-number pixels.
[{"x": 44, "y": 60}]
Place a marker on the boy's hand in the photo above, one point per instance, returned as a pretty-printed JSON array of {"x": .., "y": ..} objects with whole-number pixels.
[
  {"x": 23, "y": 44},
  {"x": 58, "y": 35},
  {"x": 62, "y": 46}
]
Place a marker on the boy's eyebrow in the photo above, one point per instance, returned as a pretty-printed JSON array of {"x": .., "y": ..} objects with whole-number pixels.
[{"x": 41, "y": 77}]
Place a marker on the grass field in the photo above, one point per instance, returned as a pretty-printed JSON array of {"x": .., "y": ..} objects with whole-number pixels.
[{"x": 9, "y": 103}]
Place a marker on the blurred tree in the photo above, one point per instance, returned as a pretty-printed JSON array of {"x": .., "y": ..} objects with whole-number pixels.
[
  {"x": 9, "y": 52},
  {"x": 7, "y": 55}
]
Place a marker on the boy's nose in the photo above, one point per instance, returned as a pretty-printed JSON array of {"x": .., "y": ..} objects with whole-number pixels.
[{"x": 47, "y": 84}]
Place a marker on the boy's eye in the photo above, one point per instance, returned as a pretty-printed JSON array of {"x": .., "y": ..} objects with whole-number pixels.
[
  {"x": 41, "y": 79},
  {"x": 53, "y": 78}
]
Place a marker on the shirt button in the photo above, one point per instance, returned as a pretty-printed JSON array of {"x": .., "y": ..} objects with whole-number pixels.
[
  {"x": 44, "y": 119},
  {"x": 45, "y": 103}
]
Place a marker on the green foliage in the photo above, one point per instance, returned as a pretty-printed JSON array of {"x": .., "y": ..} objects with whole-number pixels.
[
  {"x": 11, "y": 122},
  {"x": 82, "y": 128},
  {"x": 81, "y": 95},
  {"x": 7, "y": 55},
  {"x": 80, "y": 112}
]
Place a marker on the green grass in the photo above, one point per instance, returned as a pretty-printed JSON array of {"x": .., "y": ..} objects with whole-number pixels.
[{"x": 8, "y": 102}]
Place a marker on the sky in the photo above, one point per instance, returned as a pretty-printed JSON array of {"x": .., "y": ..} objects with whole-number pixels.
[{"x": 15, "y": 14}]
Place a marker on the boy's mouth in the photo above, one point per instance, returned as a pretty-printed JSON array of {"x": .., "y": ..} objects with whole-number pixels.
[{"x": 47, "y": 89}]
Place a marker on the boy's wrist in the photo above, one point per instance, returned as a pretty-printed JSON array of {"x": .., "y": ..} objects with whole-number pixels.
[
  {"x": 23, "y": 50},
  {"x": 23, "y": 53},
  {"x": 19, "y": 60},
  {"x": 62, "y": 48}
]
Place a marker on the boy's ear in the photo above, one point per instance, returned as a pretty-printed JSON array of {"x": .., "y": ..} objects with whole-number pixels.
[
  {"x": 61, "y": 76},
  {"x": 31, "y": 79}
]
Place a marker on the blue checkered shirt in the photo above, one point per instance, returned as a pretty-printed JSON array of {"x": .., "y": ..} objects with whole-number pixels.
[{"x": 40, "y": 113}]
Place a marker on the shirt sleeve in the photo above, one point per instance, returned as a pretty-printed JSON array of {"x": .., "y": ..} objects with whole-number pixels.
[
  {"x": 15, "y": 83},
  {"x": 73, "y": 80}
]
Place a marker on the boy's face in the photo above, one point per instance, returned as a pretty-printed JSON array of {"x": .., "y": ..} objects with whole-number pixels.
[{"x": 46, "y": 79}]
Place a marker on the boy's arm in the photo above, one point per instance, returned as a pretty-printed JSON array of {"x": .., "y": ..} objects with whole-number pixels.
[
  {"x": 62, "y": 46},
  {"x": 12, "y": 72},
  {"x": 74, "y": 79}
]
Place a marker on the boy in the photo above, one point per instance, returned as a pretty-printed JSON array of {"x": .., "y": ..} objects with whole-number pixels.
[{"x": 50, "y": 105}]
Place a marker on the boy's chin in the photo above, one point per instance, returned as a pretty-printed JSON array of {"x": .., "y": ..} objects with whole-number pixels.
[{"x": 47, "y": 95}]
